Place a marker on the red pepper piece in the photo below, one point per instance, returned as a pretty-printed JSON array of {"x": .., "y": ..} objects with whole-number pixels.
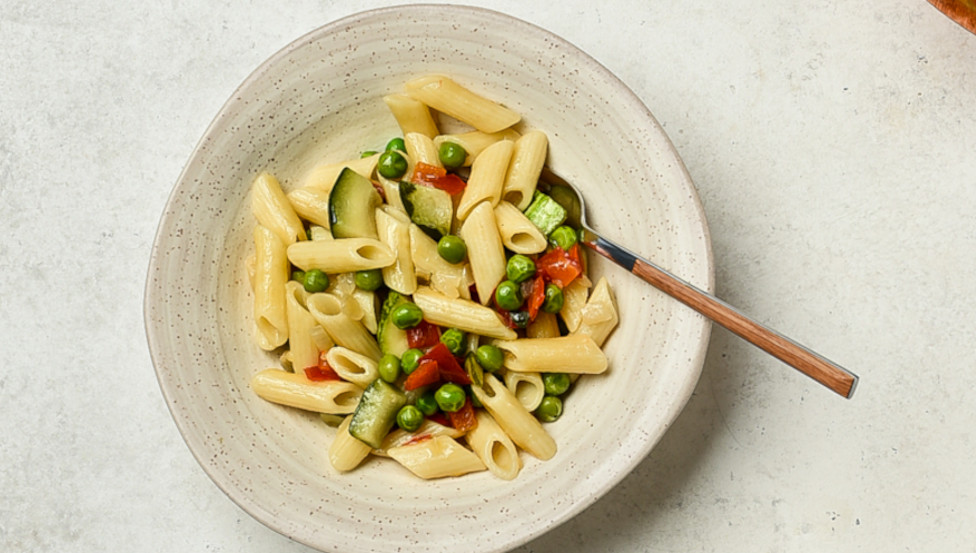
[
  {"x": 559, "y": 266},
  {"x": 426, "y": 373},
  {"x": 463, "y": 419},
  {"x": 424, "y": 173},
  {"x": 537, "y": 297},
  {"x": 439, "y": 418},
  {"x": 450, "y": 369},
  {"x": 450, "y": 183},
  {"x": 424, "y": 335},
  {"x": 320, "y": 373}
]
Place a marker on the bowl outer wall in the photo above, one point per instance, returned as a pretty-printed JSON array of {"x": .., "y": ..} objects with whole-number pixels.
[{"x": 320, "y": 98}]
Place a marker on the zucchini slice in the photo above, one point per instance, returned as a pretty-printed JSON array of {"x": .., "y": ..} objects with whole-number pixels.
[
  {"x": 429, "y": 208},
  {"x": 352, "y": 206},
  {"x": 376, "y": 413}
]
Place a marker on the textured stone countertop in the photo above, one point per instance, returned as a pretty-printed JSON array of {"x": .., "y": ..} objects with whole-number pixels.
[{"x": 834, "y": 148}]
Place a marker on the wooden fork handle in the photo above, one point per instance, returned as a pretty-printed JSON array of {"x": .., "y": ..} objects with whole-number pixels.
[{"x": 826, "y": 372}]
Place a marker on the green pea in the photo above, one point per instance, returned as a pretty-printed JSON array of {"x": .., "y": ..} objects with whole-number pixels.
[
  {"x": 450, "y": 397},
  {"x": 452, "y": 249},
  {"x": 368, "y": 153},
  {"x": 453, "y": 338},
  {"x": 410, "y": 360},
  {"x": 396, "y": 144},
  {"x": 508, "y": 295},
  {"x": 556, "y": 384},
  {"x": 550, "y": 409},
  {"x": 316, "y": 281},
  {"x": 519, "y": 268},
  {"x": 406, "y": 315},
  {"x": 554, "y": 299},
  {"x": 299, "y": 276},
  {"x": 563, "y": 236},
  {"x": 391, "y": 165},
  {"x": 426, "y": 403},
  {"x": 389, "y": 367},
  {"x": 452, "y": 155},
  {"x": 409, "y": 418},
  {"x": 369, "y": 280},
  {"x": 520, "y": 318},
  {"x": 491, "y": 358}
]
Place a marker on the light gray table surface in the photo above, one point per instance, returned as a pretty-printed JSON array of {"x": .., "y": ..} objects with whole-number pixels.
[{"x": 834, "y": 148}]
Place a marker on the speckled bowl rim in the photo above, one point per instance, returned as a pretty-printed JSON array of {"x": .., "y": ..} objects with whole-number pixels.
[{"x": 152, "y": 293}]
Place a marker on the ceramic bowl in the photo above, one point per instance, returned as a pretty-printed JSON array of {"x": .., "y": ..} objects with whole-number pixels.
[{"x": 320, "y": 98}]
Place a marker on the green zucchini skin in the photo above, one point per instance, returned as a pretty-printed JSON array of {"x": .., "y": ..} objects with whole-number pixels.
[
  {"x": 429, "y": 208},
  {"x": 376, "y": 413},
  {"x": 352, "y": 206},
  {"x": 390, "y": 338},
  {"x": 545, "y": 213}
]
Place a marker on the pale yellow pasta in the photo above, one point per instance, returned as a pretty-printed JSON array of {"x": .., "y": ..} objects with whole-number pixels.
[
  {"x": 461, "y": 313},
  {"x": 311, "y": 204},
  {"x": 344, "y": 330},
  {"x": 528, "y": 158},
  {"x": 411, "y": 115},
  {"x": 517, "y": 232},
  {"x": 393, "y": 228},
  {"x": 474, "y": 142},
  {"x": 391, "y": 189},
  {"x": 446, "y": 278},
  {"x": 436, "y": 457},
  {"x": 486, "y": 254},
  {"x": 427, "y": 429},
  {"x": 324, "y": 175},
  {"x": 486, "y": 179},
  {"x": 527, "y": 387},
  {"x": 272, "y": 209},
  {"x": 334, "y": 397},
  {"x": 520, "y": 425},
  {"x": 367, "y": 303},
  {"x": 573, "y": 353},
  {"x": 342, "y": 255},
  {"x": 345, "y": 451},
  {"x": 545, "y": 325},
  {"x": 420, "y": 149},
  {"x": 493, "y": 446},
  {"x": 574, "y": 298},
  {"x": 302, "y": 349},
  {"x": 270, "y": 276},
  {"x": 316, "y": 232},
  {"x": 352, "y": 366},
  {"x": 448, "y": 97},
  {"x": 599, "y": 315}
]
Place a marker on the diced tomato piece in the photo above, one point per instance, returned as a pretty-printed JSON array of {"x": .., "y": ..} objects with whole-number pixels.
[
  {"x": 439, "y": 418},
  {"x": 321, "y": 373},
  {"x": 537, "y": 296},
  {"x": 463, "y": 419},
  {"x": 450, "y": 369},
  {"x": 559, "y": 266},
  {"x": 424, "y": 173},
  {"x": 427, "y": 373},
  {"x": 450, "y": 183},
  {"x": 424, "y": 335}
]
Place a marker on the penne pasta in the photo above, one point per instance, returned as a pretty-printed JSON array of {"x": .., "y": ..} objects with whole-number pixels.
[
  {"x": 393, "y": 227},
  {"x": 474, "y": 142},
  {"x": 344, "y": 330},
  {"x": 599, "y": 315},
  {"x": 303, "y": 352},
  {"x": 323, "y": 176},
  {"x": 427, "y": 429},
  {"x": 528, "y": 158},
  {"x": 493, "y": 446},
  {"x": 437, "y": 457},
  {"x": 461, "y": 313},
  {"x": 341, "y": 255},
  {"x": 520, "y": 425},
  {"x": 311, "y": 204},
  {"x": 517, "y": 232},
  {"x": 412, "y": 115},
  {"x": 527, "y": 387},
  {"x": 544, "y": 326},
  {"x": 574, "y": 298},
  {"x": 270, "y": 276},
  {"x": 574, "y": 353},
  {"x": 488, "y": 258},
  {"x": 345, "y": 451},
  {"x": 272, "y": 209},
  {"x": 351, "y": 366},
  {"x": 448, "y": 97},
  {"x": 487, "y": 178},
  {"x": 446, "y": 278},
  {"x": 295, "y": 390},
  {"x": 421, "y": 149}
]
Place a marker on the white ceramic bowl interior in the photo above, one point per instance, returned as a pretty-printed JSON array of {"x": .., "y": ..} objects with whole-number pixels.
[{"x": 320, "y": 98}]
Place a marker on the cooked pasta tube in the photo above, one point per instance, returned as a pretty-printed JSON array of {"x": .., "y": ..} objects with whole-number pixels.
[
  {"x": 344, "y": 331},
  {"x": 528, "y": 158},
  {"x": 301, "y": 347},
  {"x": 446, "y": 278},
  {"x": 517, "y": 232},
  {"x": 493, "y": 446},
  {"x": 486, "y": 179},
  {"x": 272, "y": 209},
  {"x": 520, "y": 425},
  {"x": 352, "y": 366},
  {"x": 345, "y": 451},
  {"x": 312, "y": 204},
  {"x": 427, "y": 429},
  {"x": 270, "y": 276},
  {"x": 574, "y": 298},
  {"x": 474, "y": 142},
  {"x": 421, "y": 149},
  {"x": 486, "y": 254},
  {"x": 342, "y": 255},
  {"x": 393, "y": 228},
  {"x": 527, "y": 387},
  {"x": 334, "y": 397},
  {"x": 437, "y": 457},
  {"x": 573, "y": 353},
  {"x": 599, "y": 315},
  {"x": 446, "y": 96},
  {"x": 391, "y": 190},
  {"x": 459, "y": 313},
  {"x": 367, "y": 302},
  {"x": 544, "y": 326},
  {"x": 324, "y": 175},
  {"x": 411, "y": 114}
]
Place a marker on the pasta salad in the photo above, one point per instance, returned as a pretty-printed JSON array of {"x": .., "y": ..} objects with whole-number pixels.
[{"x": 429, "y": 300}]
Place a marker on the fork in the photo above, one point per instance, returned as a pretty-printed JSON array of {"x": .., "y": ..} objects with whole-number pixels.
[{"x": 814, "y": 365}]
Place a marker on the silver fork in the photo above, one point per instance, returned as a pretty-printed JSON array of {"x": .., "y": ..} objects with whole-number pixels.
[{"x": 817, "y": 367}]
